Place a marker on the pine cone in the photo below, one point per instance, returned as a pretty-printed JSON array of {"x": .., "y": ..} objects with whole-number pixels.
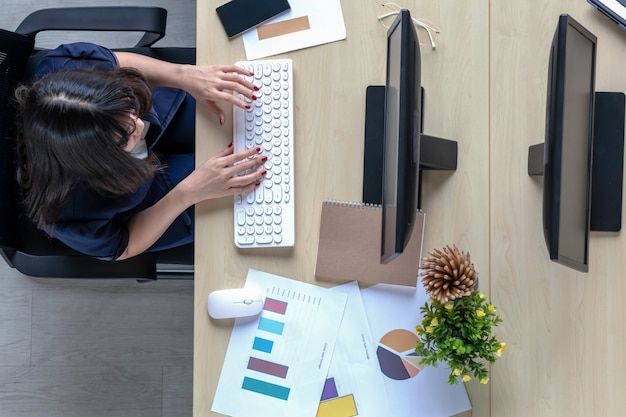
[{"x": 448, "y": 274}]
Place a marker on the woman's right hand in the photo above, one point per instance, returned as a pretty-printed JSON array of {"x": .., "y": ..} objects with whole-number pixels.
[{"x": 224, "y": 174}]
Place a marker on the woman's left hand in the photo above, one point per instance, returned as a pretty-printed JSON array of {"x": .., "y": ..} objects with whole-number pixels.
[{"x": 210, "y": 84}]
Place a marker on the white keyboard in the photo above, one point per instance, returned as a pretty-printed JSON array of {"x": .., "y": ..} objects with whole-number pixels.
[{"x": 265, "y": 217}]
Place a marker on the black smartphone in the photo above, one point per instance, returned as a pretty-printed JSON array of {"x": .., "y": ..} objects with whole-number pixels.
[{"x": 237, "y": 16}]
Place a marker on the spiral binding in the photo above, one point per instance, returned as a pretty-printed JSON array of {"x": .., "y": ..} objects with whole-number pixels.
[{"x": 353, "y": 204}]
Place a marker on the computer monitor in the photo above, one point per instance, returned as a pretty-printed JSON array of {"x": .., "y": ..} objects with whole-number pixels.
[
  {"x": 401, "y": 136},
  {"x": 395, "y": 148},
  {"x": 577, "y": 148},
  {"x": 568, "y": 144}
]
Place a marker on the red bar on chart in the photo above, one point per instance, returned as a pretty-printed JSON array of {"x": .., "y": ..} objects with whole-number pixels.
[
  {"x": 267, "y": 367},
  {"x": 275, "y": 305}
]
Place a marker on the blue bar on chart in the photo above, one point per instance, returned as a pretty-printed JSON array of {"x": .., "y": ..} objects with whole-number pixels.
[
  {"x": 262, "y": 345},
  {"x": 271, "y": 326},
  {"x": 266, "y": 388}
]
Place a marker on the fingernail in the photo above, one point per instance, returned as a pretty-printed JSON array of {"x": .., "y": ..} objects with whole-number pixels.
[
  {"x": 230, "y": 145},
  {"x": 247, "y": 106},
  {"x": 221, "y": 121},
  {"x": 257, "y": 184},
  {"x": 254, "y": 97},
  {"x": 263, "y": 159},
  {"x": 256, "y": 88},
  {"x": 263, "y": 172},
  {"x": 258, "y": 149}
]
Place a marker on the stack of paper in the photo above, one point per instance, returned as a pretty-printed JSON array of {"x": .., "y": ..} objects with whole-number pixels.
[{"x": 338, "y": 352}]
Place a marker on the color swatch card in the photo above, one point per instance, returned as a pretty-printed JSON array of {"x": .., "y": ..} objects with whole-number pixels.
[
  {"x": 354, "y": 386},
  {"x": 413, "y": 390},
  {"x": 277, "y": 363}
]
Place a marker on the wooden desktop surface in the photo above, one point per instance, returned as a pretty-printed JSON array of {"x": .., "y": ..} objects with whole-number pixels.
[
  {"x": 329, "y": 92},
  {"x": 564, "y": 329}
]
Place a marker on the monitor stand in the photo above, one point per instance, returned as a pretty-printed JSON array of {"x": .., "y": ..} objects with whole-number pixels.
[
  {"x": 607, "y": 174},
  {"x": 435, "y": 153}
]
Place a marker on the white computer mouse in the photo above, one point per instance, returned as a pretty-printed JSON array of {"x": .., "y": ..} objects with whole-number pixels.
[{"x": 235, "y": 302}]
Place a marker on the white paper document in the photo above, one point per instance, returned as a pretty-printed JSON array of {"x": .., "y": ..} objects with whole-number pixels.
[
  {"x": 277, "y": 363},
  {"x": 413, "y": 390},
  {"x": 307, "y": 24},
  {"x": 354, "y": 386}
]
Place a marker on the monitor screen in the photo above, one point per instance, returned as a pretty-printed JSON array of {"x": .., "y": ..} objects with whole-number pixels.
[
  {"x": 569, "y": 143},
  {"x": 402, "y": 121}
]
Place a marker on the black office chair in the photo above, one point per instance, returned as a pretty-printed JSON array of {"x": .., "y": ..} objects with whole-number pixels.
[{"x": 22, "y": 245}]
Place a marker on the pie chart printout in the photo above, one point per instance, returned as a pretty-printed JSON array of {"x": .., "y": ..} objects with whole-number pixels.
[{"x": 396, "y": 355}]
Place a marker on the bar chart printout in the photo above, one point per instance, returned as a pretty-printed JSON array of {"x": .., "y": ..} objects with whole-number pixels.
[{"x": 277, "y": 363}]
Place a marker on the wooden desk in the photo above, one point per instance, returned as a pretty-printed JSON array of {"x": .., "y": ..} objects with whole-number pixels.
[
  {"x": 329, "y": 91},
  {"x": 564, "y": 329}
]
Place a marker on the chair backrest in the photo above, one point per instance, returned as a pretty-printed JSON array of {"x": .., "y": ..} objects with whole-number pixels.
[
  {"x": 22, "y": 245},
  {"x": 15, "y": 50}
]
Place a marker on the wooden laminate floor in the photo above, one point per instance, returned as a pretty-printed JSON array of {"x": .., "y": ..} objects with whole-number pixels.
[{"x": 95, "y": 347}]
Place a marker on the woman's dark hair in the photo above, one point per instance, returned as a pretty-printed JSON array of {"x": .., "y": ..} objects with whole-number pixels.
[{"x": 72, "y": 129}]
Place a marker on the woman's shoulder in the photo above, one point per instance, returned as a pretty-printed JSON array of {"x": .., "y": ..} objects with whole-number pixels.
[{"x": 76, "y": 55}]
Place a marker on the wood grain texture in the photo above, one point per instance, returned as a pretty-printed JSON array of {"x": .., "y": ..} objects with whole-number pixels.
[
  {"x": 15, "y": 324},
  {"x": 563, "y": 328},
  {"x": 97, "y": 347},
  {"x": 329, "y": 92}
]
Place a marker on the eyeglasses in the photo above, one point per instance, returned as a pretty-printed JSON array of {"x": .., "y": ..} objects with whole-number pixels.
[{"x": 424, "y": 24}]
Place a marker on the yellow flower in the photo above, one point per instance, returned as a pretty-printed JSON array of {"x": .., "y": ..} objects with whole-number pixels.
[
  {"x": 466, "y": 378},
  {"x": 456, "y": 372},
  {"x": 484, "y": 380},
  {"x": 491, "y": 308},
  {"x": 419, "y": 330},
  {"x": 448, "y": 306},
  {"x": 434, "y": 322},
  {"x": 480, "y": 313},
  {"x": 429, "y": 329},
  {"x": 501, "y": 349},
  {"x": 481, "y": 295}
]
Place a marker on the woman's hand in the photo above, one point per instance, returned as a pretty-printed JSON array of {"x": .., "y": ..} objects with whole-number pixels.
[
  {"x": 224, "y": 174},
  {"x": 219, "y": 176},
  {"x": 210, "y": 84}
]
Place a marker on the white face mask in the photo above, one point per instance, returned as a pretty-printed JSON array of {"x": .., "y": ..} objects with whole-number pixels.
[{"x": 140, "y": 151}]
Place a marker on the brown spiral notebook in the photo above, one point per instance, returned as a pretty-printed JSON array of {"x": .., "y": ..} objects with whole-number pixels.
[{"x": 349, "y": 246}]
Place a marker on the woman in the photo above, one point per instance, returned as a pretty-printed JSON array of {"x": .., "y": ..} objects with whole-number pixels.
[{"x": 105, "y": 148}]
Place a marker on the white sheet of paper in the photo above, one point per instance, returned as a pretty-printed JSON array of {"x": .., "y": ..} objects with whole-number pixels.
[
  {"x": 326, "y": 25},
  {"x": 393, "y": 312},
  {"x": 277, "y": 363},
  {"x": 355, "y": 385}
]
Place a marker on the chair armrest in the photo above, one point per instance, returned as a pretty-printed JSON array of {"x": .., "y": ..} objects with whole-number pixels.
[
  {"x": 69, "y": 266},
  {"x": 150, "y": 20}
]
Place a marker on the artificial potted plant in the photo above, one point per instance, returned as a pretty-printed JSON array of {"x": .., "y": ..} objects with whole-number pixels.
[{"x": 457, "y": 322}]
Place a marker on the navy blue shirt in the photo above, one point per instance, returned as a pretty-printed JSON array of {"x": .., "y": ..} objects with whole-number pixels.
[{"x": 95, "y": 224}]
